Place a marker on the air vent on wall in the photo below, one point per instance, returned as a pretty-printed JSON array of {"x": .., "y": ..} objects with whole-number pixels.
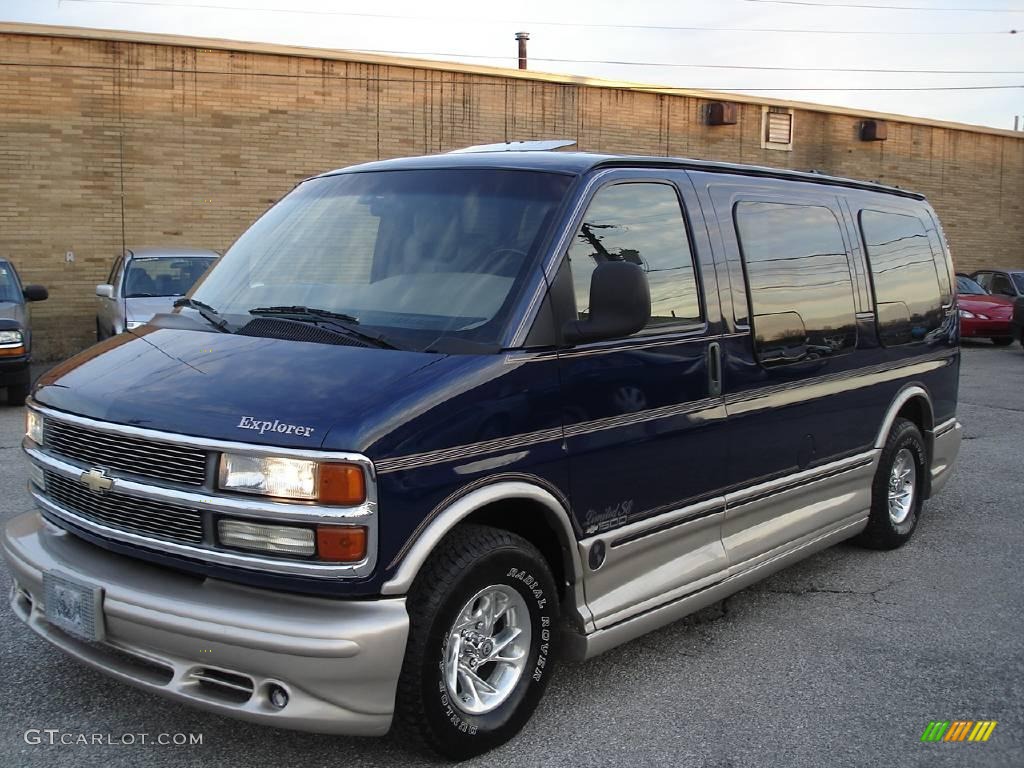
[
  {"x": 777, "y": 128},
  {"x": 721, "y": 113},
  {"x": 874, "y": 130}
]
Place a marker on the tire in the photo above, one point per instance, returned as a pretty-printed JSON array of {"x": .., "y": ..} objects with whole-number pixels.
[
  {"x": 99, "y": 332},
  {"x": 1002, "y": 341},
  {"x": 885, "y": 529},
  {"x": 18, "y": 392},
  {"x": 473, "y": 565}
]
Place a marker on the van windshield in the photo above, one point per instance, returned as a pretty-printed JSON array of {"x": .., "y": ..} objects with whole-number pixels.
[{"x": 407, "y": 256}]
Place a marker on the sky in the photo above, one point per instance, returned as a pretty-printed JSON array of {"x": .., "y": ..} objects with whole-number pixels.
[{"x": 970, "y": 37}]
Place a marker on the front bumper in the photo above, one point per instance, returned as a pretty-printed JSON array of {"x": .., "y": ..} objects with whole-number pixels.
[
  {"x": 13, "y": 369},
  {"x": 992, "y": 328},
  {"x": 216, "y": 645}
]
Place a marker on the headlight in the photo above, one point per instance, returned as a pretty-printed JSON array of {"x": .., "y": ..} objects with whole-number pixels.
[
  {"x": 34, "y": 426},
  {"x": 964, "y": 313},
  {"x": 131, "y": 325},
  {"x": 268, "y": 475},
  {"x": 332, "y": 483},
  {"x": 11, "y": 337}
]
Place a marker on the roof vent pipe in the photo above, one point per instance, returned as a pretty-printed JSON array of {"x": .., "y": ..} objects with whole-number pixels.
[{"x": 522, "y": 37}]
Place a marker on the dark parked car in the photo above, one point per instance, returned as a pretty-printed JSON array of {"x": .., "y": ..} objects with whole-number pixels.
[
  {"x": 1002, "y": 282},
  {"x": 432, "y": 424},
  {"x": 16, "y": 332},
  {"x": 983, "y": 314}
]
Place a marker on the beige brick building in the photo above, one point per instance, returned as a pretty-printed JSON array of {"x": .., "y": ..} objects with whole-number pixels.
[{"x": 171, "y": 140}]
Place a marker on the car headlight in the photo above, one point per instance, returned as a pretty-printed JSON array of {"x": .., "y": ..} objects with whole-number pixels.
[
  {"x": 131, "y": 325},
  {"x": 11, "y": 337},
  {"x": 969, "y": 315},
  {"x": 34, "y": 426},
  {"x": 328, "y": 482}
]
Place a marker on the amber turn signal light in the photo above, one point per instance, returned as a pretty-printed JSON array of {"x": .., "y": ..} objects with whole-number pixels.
[
  {"x": 341, "y": 543},
  {"x": 12, "y": 351},
  {"x": 341, "y": 484}
]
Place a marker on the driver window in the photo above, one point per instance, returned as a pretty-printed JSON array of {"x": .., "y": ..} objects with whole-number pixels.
[{"x": 639, "y": 222}]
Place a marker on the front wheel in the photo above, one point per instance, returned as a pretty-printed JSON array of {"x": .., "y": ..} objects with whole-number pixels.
[
  {"x": 482, "y": 642},
  {"x": 897, "y": 492},
  {"x": 1002, "y": 341}
]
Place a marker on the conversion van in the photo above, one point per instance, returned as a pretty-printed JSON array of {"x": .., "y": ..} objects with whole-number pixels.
[{"x": 433, "y": 424}]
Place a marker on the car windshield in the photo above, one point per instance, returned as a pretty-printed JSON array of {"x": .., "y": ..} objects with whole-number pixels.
[
  {"x": 9, "y": 288},
  {"x": 1018, "y": 280},
  {"x": 965, "y": 286},
  {"x": 163, "y": 275},
  {"x": 409, "y": 256}
]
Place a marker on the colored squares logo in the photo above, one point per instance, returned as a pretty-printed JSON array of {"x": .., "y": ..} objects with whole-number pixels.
[{"x": 958, "y": 730}]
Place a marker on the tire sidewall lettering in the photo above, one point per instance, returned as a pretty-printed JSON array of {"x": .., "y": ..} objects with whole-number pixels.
[{"x": 535, "y": 592}]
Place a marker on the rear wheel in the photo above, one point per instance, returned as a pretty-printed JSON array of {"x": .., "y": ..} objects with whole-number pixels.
[
  {"x": 482, "y": 641},
  {"x": 898, "y": 489},
  {"x": 1002, "y": 341}
]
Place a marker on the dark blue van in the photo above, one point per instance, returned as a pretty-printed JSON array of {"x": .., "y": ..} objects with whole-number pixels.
[{"x": 433, "y": 423}]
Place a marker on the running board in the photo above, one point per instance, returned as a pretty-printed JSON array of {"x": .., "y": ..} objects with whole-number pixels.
[{"x": 581, "y": 647}]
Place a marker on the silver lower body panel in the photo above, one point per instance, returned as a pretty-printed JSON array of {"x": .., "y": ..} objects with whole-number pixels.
[{"x": 945, "y": 447}]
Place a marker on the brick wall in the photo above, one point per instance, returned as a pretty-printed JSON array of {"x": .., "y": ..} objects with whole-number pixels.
[{"x": 195, "y": 142}]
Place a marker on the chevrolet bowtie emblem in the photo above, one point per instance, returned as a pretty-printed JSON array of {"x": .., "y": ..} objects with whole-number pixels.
[{"x": 96, "y": 480}]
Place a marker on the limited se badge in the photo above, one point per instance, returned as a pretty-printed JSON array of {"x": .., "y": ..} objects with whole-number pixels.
[{"x": 75, "y": 607}]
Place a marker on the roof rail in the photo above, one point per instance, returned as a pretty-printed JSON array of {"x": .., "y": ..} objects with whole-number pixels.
[{"x": 545, "y": 145}]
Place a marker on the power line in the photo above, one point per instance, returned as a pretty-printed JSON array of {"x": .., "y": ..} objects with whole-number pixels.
[
  {"x": 704, "y": 66},
  {"x": 887, "y": 7},
  {"x": 480, "y": 83},
  {"x": 538, "y": 23}
]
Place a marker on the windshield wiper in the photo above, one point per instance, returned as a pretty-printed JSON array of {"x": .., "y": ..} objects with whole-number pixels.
[
  {"x": 345, "y": 323},
  {"x": 209, "y": 314}
]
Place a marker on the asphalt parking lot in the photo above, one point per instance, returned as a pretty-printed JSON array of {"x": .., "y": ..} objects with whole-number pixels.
[{"x": 840, "y": 660}]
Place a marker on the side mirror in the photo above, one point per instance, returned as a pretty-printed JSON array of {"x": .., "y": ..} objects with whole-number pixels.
[
  {"x": 620, "y": 304},
  {"x": 35, "y": 293},
  {"x": 105, "y": 291}
]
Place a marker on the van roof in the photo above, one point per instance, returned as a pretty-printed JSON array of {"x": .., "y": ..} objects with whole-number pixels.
[{"x": 578, "y": 163}]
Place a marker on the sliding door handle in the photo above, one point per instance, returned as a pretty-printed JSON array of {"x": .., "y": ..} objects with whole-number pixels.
[{"x": 714, "y": 369}]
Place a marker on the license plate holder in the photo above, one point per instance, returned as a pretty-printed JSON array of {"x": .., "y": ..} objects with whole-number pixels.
[{"x": 74, "y": 606}]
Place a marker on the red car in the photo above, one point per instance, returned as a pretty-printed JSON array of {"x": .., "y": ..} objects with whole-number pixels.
[{"x": 984, "y": 314}]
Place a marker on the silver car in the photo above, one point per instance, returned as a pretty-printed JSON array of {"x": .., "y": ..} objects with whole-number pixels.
[{"x": 144, "y": 282}]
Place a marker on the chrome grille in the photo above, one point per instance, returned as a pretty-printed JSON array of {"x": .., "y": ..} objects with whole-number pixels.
[
  {"x": 139, "y": 456},
  {"x": 118, "y": 510}
]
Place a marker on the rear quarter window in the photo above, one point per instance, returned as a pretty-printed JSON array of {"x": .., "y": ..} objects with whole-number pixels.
[
  {"x": 908, "y": 297},
  {"x": 799, "y": 283}
]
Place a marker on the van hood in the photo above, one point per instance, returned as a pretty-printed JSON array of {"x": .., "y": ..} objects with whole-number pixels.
[{"x": 240, "y": 388}]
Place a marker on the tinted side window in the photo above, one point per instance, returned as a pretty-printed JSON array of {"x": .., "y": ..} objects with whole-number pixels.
[
  {"x": 907, "y": 295},
  {"x": 798, "y": 277},
  {"x": 1001, "y": 284},
  {"x": 642, "y": 223}
]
